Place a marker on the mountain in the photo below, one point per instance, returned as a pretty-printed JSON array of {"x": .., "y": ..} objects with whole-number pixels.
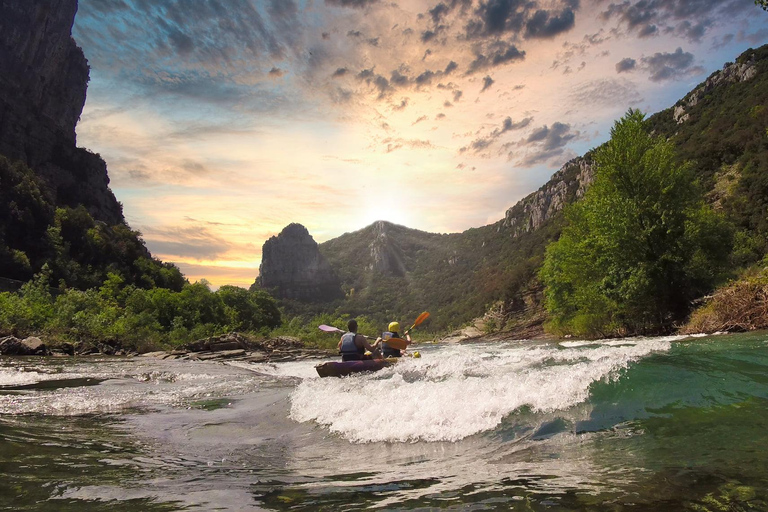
[
  {"x": 56, "y": 208},
  {"x": 393, "y": 272},
  {"x": 293, "y": 268}
]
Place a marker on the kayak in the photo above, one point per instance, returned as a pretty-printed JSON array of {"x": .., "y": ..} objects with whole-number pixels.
[{"x": 343, "y": 368}]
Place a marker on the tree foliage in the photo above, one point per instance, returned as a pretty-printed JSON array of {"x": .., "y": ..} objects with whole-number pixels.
[
  {"x": 79, "y": 251},
  {"x": 640, "y": 245},
  {"x": 132, "y": 316}
]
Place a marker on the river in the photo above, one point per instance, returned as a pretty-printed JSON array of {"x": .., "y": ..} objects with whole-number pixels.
[{"x": 663, "y": 424}]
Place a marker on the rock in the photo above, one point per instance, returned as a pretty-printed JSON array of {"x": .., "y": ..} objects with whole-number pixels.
[
  {"x": 10, "y": 346},
  {"x": 293, "y": 267},
  {"x": 256, "y": 357},
  {"x": 32, "y": 346},
  {"x": 732, "y": 72},
  {"x": 42, "y": 92},
  {"x": 211, "y": 356},
  {"x": 225, "y": 345},
  {"x": 572, "y": 180},
  {"x": 387, "y": 257},
  {"x": 160, "y": 354}
]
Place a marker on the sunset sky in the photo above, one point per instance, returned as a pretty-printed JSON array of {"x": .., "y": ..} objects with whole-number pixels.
[{"x": 223, "y": 121}]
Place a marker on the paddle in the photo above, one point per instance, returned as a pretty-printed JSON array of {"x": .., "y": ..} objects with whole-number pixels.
[
  {"x": 401, "y": 344},
  {"x": 328, "y": 328},
  {"x": 418, "y": 322}
]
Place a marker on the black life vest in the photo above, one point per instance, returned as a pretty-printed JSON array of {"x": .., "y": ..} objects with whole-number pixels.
[{"x": 386, "y": 350}]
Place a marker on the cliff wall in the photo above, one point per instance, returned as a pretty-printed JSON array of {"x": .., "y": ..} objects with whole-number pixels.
[
  {"x": 42, "y": 92},
  {"x": 567, "y": 185},
  {"x": 293, "y": 268}
]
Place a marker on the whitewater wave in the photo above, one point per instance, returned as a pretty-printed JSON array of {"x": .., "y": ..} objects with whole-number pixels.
[{"x": 460, "y": 391}]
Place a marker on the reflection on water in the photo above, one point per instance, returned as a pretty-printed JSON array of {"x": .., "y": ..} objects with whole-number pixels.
[{"x": 656, "y": 424}]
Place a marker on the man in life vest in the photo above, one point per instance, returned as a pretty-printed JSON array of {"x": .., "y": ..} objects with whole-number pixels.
[
  {"x": 386, "y": 350},
  {"x": 353, "y": 346}
]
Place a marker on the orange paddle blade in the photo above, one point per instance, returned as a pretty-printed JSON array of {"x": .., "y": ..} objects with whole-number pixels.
[
  {"x": 421, "y": 318},
  {"x": 397, "y": 343}
]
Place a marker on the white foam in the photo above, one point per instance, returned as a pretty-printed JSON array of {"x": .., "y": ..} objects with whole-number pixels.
[
  {"x": 299, "y": 369},
  {"x": 461, "y": 390},
  {"x": 125, "y": 385}
]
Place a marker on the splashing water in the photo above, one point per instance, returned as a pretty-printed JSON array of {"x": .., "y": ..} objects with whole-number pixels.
[{"x": 463, "y": 390}]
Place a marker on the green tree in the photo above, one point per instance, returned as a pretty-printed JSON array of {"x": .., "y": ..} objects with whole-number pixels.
[
  {"x": 639, "y": 246},
  {"x": 762, "y": 3}
]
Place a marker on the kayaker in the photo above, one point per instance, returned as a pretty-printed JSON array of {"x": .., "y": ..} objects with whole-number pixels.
[
  {"x": 393, "y": 332},
  {"x": 353, "y": 346}
]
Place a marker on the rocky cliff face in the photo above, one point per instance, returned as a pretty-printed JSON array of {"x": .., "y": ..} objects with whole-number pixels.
[
  {"x": 386, "y": 256},
  {"x": 566, "y": 185},
  {"x": 732, "y": 73},
  {"x": 293, "y": 268},
  {"x": 43, "y": 82}
]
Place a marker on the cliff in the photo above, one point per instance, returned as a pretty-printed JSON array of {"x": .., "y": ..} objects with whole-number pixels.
[
  {"x": 293, "y": 268},
  {"x": 567, "y": 185},
  {"x": 42, "y": 92},
  {"x": 57, "y": 212}
]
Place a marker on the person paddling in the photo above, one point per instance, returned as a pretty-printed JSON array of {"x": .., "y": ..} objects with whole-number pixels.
[
  {"x": 388, "y": 351},
  {"x": 353, "y": 346}
]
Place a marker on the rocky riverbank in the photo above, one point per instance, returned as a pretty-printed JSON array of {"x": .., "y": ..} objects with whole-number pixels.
[{"x": 231, "y": 346}]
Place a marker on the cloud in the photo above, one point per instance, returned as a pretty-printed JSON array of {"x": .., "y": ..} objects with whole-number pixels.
[
  {"x": 544, "y": 25},
  {"x": 487, "y": 83},
  {"x": 357, "y": 4},
  {"x": 546, "y": 143},
  {"x": 756, "y": 38},
  {"x": 507, "y": 125},
  {"x": 670, "y": 66},
  {"x": 499, "y": 54},
  {"x": 276, "y": 72},
  {"x": 608, "y": 92},
  {"x": 194, "y": 242},
  {"x": 625, "y": 65},
  {"x": 520, "y": 18},
  {"x": 690, "y": 19},
  {"x": 378, "y": 82},
  {"x": 401, "y": 105},
  {"x": 340, "y": 72},
  {"x": 394, "y": 144}
]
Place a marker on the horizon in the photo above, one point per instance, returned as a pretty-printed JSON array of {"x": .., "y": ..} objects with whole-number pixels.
[{"x": 223, "y": 123}]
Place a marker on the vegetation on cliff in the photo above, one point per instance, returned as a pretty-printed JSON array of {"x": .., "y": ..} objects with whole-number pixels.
[
  {"x": 78, "y": 251},
  {"x": 639, "y": 247}
]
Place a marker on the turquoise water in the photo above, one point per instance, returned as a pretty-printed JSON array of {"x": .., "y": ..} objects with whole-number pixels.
[{"x": 636, "y": 424}]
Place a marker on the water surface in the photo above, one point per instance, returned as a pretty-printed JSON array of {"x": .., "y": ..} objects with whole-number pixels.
[{"x": 634, "y": 424}]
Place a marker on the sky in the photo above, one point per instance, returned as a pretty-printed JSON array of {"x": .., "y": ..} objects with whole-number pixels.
[{"x": 223, "y": 121}]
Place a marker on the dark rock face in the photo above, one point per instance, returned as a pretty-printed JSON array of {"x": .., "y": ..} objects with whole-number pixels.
[
  {"x": 43, "y": 82},
  {"x": 293, "y": 268}
]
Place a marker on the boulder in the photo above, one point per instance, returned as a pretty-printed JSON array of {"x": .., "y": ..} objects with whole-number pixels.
[{"x": 32, "y": 346}]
